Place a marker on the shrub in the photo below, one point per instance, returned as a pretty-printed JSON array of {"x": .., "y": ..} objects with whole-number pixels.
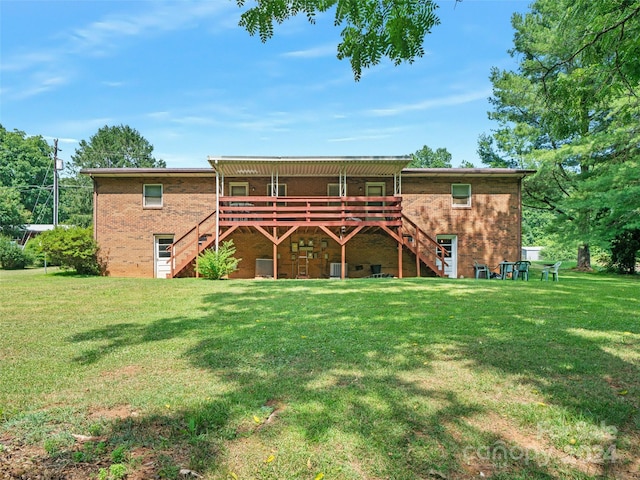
[
  {"x": 12, "y": 256},
  {"x": 624, "y": 252},
  {"x": 214, "y": 264},
  {"x": 72, "y": 248},
  {"x": 36, "y": 256}
]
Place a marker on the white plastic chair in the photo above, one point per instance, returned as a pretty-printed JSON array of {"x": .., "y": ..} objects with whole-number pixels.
[{"x": 551, "y": 269}]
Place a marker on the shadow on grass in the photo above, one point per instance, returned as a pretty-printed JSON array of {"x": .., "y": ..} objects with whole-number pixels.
[{"x": 348, "y": 377}]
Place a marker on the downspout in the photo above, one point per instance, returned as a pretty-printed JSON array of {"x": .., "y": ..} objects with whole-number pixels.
[{"x": 217, "y": 205}]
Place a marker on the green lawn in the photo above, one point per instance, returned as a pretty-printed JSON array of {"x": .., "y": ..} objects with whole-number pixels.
[{"x": 308, "y": 379}]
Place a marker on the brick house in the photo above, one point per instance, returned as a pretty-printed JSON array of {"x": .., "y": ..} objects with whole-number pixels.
[{"x": 308, "y": 217}]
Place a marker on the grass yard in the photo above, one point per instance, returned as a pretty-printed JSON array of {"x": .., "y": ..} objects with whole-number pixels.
[{"x": 110, "y": 378}]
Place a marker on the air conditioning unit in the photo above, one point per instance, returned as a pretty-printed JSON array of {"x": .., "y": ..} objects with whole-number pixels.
[{"x": 335, "y": 270}]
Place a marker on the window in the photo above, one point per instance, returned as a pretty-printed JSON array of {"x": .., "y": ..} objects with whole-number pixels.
[
  {"x": 333, "y": 190},
  {"x": 239, "y": 189},
  {"x": 282, "y": 189},
  {"x": 461, "y": 195},
  {"x": 152, "y": 196}
]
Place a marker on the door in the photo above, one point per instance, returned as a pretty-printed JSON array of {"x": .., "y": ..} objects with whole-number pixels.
[
  {"x": 450, "y": 244},
  {"x": 162, "y": 256},
  {"x": 375, "y": 189}
]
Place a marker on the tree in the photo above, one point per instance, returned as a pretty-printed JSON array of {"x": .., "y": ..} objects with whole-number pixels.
[
  {"x": 72, "y": 248},
  {"x": 427, "y": 158},
  {"x": 13, "y": 215},
  {"x": 111, "y": 147},
  {"x": 26, "y": 165},
  {"x": 115, "y": 147},
  {"x": 372, "y": 28},
  {"x": 571, "y": 111}
]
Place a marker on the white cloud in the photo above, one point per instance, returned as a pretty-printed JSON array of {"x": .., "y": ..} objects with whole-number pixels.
[
  {"x": 447, "y": 101},
  {"x": 107, "y": 35},
  {"x": 316, "y": 52}
]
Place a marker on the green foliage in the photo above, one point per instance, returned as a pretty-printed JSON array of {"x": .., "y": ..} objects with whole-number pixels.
[
  {"x": 624, "y": 252},
  {"x": 13, "y": 215},
  {"x": 215, "y": 265},
  {"x": 72, "y": 248},
  {"x": 119, "y": 454},
  {"x": 26, "y": 164},
  {"x": 571, "y": 112},
  {"x": 76, "y": 200},
  {"x": 111, "y": 147},
  {"x": 12, "y": 256},
  {"x": 427, "y": 158},
  {"x": 115, "y": 147},
  {"x": 33, "y": 250},
  {"x": 372, "y": 29}
]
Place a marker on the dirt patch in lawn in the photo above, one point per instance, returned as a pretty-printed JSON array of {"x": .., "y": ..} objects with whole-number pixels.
[{"x": 20, "y": 462}]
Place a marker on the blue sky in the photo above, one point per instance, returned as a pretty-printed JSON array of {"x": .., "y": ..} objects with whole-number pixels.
[{"x": 194, "y": 83}]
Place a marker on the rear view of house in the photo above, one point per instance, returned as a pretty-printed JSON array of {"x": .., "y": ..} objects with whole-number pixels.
[{"x": 308, "y": 217}]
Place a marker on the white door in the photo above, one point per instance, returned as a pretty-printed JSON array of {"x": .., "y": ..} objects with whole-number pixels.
[
  {"x": 450, "y": 244},
  {"x": 162, "y": 256}
]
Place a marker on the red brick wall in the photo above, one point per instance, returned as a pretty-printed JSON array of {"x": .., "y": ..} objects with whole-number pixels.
[
  {"x": 488, "y": 231},
  {"x": 125, "y": 229}
]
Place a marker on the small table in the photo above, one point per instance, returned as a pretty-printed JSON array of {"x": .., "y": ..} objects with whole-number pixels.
[{"x": 505, "y": 268}]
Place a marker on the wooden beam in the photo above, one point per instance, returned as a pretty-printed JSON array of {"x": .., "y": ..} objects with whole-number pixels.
[
  {"x": 266, "y": 234},
  {"x": 228, "y": 232},
  {"x": 286, "y": 235},
  {"x": 392, "y": 234},
  {"x": 330, "y": 233}
]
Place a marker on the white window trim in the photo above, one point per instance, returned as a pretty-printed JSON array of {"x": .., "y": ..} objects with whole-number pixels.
[
  {"x": 239, "y": 184},
  {"x": 461, "y": 205},
  {"x": 145, "y": 196}
]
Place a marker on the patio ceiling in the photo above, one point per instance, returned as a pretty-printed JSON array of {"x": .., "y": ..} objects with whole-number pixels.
[{"x": 309, "y": 166}]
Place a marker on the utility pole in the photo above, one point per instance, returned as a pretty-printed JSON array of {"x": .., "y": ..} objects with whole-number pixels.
[{"x": 57, "y": 165}]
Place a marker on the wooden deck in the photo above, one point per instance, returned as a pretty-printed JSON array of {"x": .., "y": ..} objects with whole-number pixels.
[{"x": 277, "y": 218}]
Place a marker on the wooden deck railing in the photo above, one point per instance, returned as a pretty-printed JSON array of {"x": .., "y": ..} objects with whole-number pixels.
[
  {"x": 310, "y": 211},
  {"x": 306, "y": 211}
]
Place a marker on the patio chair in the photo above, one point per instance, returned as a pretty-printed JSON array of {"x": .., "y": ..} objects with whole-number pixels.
[
  {"x": 480, "y": 268},
  {"x": 521, "y": 270},
  {"x": 550, "y": 269}
]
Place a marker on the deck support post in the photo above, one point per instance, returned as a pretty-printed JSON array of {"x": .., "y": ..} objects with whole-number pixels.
[
  {"x": 197, "y": 248},
  {"x": 400, "y": 253},
  {"x": 275, "y": 254},
  {"x": 416, "y": 242}
]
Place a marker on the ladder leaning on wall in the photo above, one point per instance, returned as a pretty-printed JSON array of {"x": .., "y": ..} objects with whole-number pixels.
[{"x": 303, "y": 265}]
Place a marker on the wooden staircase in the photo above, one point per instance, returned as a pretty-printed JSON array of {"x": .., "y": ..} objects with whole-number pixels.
[
  {"x": 425, "y": 248},
  {"x": 185, "y": 249}
]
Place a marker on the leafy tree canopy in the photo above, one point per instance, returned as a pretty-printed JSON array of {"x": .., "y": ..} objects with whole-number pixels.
[
  {"x": 13, "y": 215},
  {"x": 427, "y": 158},
  {"x": 26, "y": 165},
  {"x": 115, "y": 147},
  {"x": 572, "y": 111},
  {"x": 111, "y": 147},
  {"x": 373, "y": 29}
]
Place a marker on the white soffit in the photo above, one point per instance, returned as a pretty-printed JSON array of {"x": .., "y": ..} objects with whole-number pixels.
[{"x": 308, "y": 166}]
